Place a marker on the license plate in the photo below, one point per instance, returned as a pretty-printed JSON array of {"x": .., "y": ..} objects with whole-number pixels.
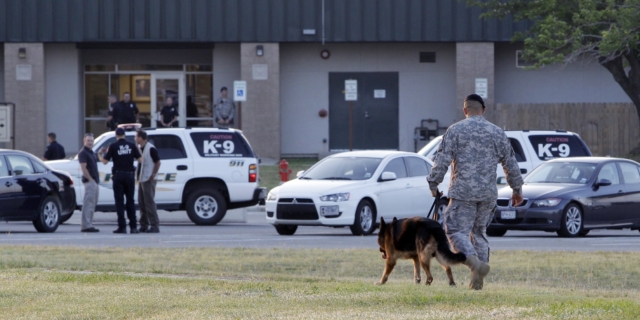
[
  {"x": 330, "y": 211},
  {"x": 507, "y": 214}
]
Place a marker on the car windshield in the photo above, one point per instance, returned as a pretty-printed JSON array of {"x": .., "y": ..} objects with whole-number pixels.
[
  {"x": 426, "y": 150},
  {"x": 562, "y": 172},
  {"x": 343, "y": 168}
]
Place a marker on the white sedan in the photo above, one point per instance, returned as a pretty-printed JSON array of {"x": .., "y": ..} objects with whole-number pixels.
[{"x": 352, "y": 189}]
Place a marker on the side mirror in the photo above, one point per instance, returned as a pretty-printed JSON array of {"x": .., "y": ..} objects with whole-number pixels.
[
  {"x": 388, "y": 176},
  {"x": 17, "y": 172},
  {"x": 299, "y": 174},
  {"x": 603, "y": 183},
  {"x": 501, "y": 180}
]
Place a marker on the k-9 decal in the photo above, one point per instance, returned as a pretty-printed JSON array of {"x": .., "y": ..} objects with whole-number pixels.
[{"x": 557, "y": 146}]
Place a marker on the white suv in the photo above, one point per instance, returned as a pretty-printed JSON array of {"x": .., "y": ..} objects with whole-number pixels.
[
  {"x": 204, "y": 171},
  {"x": 531, "y": 148}
]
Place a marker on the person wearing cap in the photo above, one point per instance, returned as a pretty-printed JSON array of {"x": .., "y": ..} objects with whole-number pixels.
[
  {"x": 224, "y": 110},
  {"x": 123, "y": 153},
  {"x": 473, "y": 147}
]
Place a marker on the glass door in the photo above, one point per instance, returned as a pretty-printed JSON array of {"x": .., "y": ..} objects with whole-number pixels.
[{"x": 167, "y": 85}]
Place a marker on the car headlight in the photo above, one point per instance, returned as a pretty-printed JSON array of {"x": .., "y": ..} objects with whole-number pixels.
[
  {"x": 336, "y": 197},
  {"x": 272, "y": 196},
  {"x": 551, "y": 202}
]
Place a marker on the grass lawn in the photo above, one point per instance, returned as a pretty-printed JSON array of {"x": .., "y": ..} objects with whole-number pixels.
[
  {"x": 237, "y": 283},
  {"x": 270, "y": 175}
]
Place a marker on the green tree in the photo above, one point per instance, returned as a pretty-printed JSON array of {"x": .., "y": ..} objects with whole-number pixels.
[{"x": 563, "y": 31}]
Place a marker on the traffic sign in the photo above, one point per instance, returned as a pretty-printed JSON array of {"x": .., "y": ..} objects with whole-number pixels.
[
  {"x": 351, "y": 90},
  {"x": 239, "y": 91}
]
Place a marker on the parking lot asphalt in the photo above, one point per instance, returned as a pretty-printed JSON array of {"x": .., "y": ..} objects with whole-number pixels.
[{"x": 248, "y": 229}]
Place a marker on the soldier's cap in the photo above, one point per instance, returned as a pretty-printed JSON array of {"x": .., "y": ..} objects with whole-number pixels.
[
  {"x": 475, "y": 97},
  {"x": 119, "y": 132},
  {"x": 223, "y": 89}
]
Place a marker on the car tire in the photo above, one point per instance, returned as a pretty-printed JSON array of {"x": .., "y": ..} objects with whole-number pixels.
[
  {"x": 286, "y": 229},
  {"x": 572, "y": 220},
  {"x": 492, "y": 232},
  {"x": 365, "y": 220},
  {"x": 48, "y": 218},
  {"x": 206, "y": 207},
  {"x": 64, "y": 218}
]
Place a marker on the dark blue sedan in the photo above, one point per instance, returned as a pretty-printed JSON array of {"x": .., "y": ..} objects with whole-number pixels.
[
  {"x": 32, "y": 191},
  {"x": 573, "y": 196}
]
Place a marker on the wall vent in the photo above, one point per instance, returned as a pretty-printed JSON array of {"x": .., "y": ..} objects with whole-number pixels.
[{"x": 427, "y": 57}]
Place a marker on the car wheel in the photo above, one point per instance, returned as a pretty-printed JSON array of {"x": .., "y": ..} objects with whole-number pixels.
[
  {"x": 64, "y": 218},
  {"x": 286, "y": 229},
  {"x": 206, "y": 207},
  {"x": 364, "y": 223},
  {"x": 492, "y": 232},
  {"x": 48, "y": 216},
  {"x": 571, "y": 223}
]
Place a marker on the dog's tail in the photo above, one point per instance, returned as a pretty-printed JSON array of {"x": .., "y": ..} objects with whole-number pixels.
[{"x": 443, "y": 247}]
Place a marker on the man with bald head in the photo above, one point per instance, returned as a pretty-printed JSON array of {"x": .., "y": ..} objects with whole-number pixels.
[{"x": 473, "y": 147}]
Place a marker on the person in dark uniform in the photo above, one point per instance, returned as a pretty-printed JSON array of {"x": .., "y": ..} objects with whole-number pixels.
[
  {"x": 123, "y": 154},
  {"x": 128, "y": 112},
  {"x": 192, "y": 112},
  {"x": 169, "y": 114},
  {"x": 54, "y": 150},
  {"x": 114, "y": 112}
]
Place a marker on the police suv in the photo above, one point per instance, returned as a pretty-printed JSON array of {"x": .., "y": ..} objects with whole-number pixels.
[
  {"x": 205, "y": 171},
  {"x": 531, "y": 148}
]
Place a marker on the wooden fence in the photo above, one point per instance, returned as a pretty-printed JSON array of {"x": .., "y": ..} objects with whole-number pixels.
[{"x": 607, "y": 128}]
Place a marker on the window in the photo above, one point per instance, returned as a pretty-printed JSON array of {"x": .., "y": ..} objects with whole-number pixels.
[
  {"x": 221, "y": 144},
  {"x": 4, "y": 169},
  {"x": 396, "y": 166},
  {"x": 417, "y": 167},
  {"x": 111, "y": 140},
  {"x": 39, "y": 168},
  {"x": 609, "y": 172},
  {"x": 630, "y": 172},
  {"x": 558, "y": 146},
  {"x": 20, "y": 165},
  {"x": 168, "y": 146},
  {"x": 517, "y": 150}
]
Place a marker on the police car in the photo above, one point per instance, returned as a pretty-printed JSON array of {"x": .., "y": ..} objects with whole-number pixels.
[
  {"x": 205, "y": 171},
  {"x": 531, "y": 148}
]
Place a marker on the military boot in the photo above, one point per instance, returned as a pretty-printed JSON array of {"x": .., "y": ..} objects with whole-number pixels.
[{"x": 479, "y": 270}]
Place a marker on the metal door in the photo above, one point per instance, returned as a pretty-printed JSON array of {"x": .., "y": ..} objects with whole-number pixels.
[{"x": 371, "y": 122}]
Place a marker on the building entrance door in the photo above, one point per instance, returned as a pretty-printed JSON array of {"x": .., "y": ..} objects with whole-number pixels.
[
  {"x": 374, "y": 115},
  {"x": 168, "y": 85}
]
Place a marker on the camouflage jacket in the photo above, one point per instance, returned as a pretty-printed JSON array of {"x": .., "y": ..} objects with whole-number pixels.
[
  {"x": 473, "y": 147},
  {"x": 224, "y": 109}
]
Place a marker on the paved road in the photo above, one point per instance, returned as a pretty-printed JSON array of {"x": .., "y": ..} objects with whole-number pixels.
[{"x": 249, "y": 229}]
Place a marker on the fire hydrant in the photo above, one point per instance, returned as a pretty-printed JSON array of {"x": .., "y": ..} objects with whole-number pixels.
[{"x": 284, "y": 171}]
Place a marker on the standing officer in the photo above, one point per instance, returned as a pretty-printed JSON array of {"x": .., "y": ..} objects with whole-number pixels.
[
  {"x": 473, "y": 147},
  {"x": 54, "y": 151},
  {"x": 147, "y": 171},
  {"x": 169, "y": 114},
  {"x": 224, "y": 110},
  {"x": 128, "y": 110},
  {"x": 114, "y": 112},
  {"x": 123, "y": 154},
  {"x": 90, "y": 179}
]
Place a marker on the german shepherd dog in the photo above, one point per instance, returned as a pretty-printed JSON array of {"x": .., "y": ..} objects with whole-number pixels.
[{"x": 418, "y": 239}]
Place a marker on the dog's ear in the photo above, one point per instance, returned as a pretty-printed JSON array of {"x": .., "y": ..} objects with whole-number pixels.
[
  {"x": 394, "y": 220},
  {"x": 382, "y": 221}
]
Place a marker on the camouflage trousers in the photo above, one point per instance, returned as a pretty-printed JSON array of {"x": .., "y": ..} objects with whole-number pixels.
[{"x": 466, "y": 224}]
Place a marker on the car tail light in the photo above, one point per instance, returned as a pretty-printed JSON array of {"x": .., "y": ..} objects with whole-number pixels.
[{"x": 253, "y": 173}]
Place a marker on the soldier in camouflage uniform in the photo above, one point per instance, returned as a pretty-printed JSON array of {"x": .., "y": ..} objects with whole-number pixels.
[
  {"x": 224, "y": 110},
  {"x": 473, "y": 147}
]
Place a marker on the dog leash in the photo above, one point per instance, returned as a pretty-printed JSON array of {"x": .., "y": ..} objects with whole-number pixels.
[{"x": 435, "y": 205}]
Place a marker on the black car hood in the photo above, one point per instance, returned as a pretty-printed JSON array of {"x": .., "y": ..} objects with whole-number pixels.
[{"x": 540, "y": 190}]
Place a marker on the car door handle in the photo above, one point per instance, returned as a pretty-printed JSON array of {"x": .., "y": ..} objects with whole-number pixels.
[
  {"x": 8, "y": 184},
  {"x": 523, "y": 170},
  {"x": 181, "y": 167},
  {"x": 620, "y": 191}
]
